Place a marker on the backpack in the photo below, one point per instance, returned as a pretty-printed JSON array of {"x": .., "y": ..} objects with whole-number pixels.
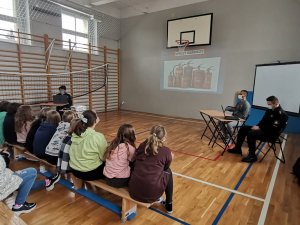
[{"x": 296, "y": 170}]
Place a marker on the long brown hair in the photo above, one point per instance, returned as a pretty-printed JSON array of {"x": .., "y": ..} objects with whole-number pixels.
[
  {"x": 23, "y": 115},
  {"x": 125, "y": 135},
  {"x": 155, "y": 140},
  {"x": 88, "y": 119}
]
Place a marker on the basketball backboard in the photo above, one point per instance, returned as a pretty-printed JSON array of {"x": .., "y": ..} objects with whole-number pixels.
[{"x": 195, "y": 29}]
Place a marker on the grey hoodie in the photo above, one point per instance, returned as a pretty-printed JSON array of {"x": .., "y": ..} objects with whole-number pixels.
[{"x": 8, "y": 181}]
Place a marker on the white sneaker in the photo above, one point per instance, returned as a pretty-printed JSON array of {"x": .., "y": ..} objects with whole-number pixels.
[
  {"x": 159, "y": 201},
  {"x": 43, "y": 169}
]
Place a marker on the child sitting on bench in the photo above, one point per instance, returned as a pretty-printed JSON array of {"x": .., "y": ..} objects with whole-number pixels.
[{"x": 118, "y": 155}]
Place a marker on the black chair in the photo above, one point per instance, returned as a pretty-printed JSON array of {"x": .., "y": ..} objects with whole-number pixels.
[
  {"x": 272, "y": 146},
  {"x": 272, "y": 142}
]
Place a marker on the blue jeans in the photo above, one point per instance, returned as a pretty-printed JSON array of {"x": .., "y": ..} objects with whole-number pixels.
[{"x": 29, "y": 183}]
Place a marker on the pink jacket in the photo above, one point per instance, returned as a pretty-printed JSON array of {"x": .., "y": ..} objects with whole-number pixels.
[{"x": 117, "y": 166}]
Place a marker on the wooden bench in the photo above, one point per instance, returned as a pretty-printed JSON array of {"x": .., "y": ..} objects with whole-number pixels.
[
  {"x": 42, "y": 162},
  {"x": 8, "y": 217},
  {"x": 16, "y": 149},
  {"x": 129, "y": 205}
]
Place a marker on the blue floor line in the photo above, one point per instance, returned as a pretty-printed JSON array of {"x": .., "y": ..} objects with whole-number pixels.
[
  {"x": 169, "y": 216},
  {"x": 223, "y": 209},
  {"x": 93, "y": 197},
  {"x": 103, "y": 202}
]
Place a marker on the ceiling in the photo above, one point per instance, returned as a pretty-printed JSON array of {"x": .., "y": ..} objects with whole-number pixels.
[{"x": 129, "y": 8}]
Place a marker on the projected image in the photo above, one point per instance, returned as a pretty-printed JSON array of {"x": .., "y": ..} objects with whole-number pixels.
[{"x": 192, "y": 74}]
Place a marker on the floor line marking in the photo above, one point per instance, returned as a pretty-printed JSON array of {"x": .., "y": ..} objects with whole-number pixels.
[
  {"x": 264, "y": 210},
  {"x": 169, "y": 216},
  {"x": 189, "y": 163},
  {"x": 220, "y": 187},
  {"x": 208, "y": 207},
  {"x": 198, "y": 156}
]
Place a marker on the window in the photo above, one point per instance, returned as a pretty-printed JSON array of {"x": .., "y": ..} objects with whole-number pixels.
[
  {"x": 7, "y": 29},
  {"x": 7, "y": 20},
  {"x": 13, "y": 17},
  {"x": 76, "y": 29},
  {"x": 7, "y": 8}
]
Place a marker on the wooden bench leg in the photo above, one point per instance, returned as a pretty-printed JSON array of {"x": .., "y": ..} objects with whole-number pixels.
[
  {"x": 128, "y": 207},
  {"x": 17, "y": 151},
  {"x": 78, "y": 183}
]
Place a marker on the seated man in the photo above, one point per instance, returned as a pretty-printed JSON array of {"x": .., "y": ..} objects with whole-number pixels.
[
  {"x": 62, "y": 91},
  {"x": 269, "y": 128},
  {"x": 241, "y": 110}
]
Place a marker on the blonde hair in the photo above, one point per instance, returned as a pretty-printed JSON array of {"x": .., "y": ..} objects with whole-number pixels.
[
  {"x": 53, "y": 117},
  {"x": 155, "y": 140},
  {"x": 68, "y": 116}
]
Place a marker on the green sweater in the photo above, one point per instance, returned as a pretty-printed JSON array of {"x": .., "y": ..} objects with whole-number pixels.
[
  {"x": 2, "y": 116},
  {"x": 87, "y": 150}
]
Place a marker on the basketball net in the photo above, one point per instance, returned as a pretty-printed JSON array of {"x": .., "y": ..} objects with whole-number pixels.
[{"x": 182, "y": 44}]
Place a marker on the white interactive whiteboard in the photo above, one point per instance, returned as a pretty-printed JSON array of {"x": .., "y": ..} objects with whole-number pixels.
[{"x": 281, "y": 80}]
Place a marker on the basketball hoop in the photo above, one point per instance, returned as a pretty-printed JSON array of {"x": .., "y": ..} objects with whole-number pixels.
[{"x": 182, "y": 44}]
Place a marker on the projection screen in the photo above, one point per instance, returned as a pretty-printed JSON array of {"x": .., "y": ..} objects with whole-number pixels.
[{"x": 281, "y": 80}]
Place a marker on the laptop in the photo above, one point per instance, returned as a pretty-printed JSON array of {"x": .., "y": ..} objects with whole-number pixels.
[
  {"x": 229, "y": 117},
  {"x": 60, "y": 99}
]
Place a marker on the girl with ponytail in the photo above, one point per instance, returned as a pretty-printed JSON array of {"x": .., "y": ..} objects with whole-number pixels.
[
  {"x": 152, "y": 175},
  {"x": 88, "y": 148}
]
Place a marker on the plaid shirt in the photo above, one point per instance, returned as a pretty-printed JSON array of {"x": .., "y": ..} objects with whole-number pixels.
[{"x": 64, "y": 157}]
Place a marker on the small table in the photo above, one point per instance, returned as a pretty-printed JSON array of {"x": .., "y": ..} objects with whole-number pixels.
[
  {"x": 50, "y": 104},
  {"x": 216, "y": 119}
]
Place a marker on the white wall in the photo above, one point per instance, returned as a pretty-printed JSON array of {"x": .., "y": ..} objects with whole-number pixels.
[{"x": 245, "y": 33}]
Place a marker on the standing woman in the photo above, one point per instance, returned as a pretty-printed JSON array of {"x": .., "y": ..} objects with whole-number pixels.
[
  {"x": 88, "y": 148},
  {"x": 152, "y": 176}
]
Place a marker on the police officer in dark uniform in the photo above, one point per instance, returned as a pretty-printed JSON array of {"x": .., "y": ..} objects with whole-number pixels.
[{"x": 268, "y": 129}]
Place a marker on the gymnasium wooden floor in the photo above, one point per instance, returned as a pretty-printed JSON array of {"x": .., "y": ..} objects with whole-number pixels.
[{"x": 208, "y": 188}]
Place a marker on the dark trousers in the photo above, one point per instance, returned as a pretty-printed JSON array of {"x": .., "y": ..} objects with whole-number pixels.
[
  {"x": 169, "y": 188},
  {"x": 117, "y": 182},
  {"x": 252, "y": 137},
  {"x": 90, "y": 175},
  {"x": 51, "y": 159}
]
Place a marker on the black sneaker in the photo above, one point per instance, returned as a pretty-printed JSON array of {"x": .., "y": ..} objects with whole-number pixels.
[
  {"x": 25, "y": 208},
  {"x": 168, "y": 207},
  {"x": 250, "y": 159},
  {"x": 53, "y": 181},
  {"x": 235, "y": 151}
]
